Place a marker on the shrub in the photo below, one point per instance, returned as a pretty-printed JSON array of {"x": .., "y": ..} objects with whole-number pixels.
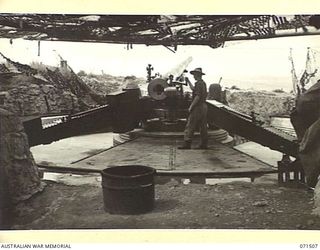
[
  {"x": 278, "y": 91},
  {"x": 234, "y": 87}
]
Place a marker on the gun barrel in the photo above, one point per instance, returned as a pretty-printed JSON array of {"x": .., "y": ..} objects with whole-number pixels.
[{"x": 179, "y": 69}]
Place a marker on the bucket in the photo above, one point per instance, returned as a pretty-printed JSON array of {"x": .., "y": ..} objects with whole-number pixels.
[{"x": 128, "y": 189}]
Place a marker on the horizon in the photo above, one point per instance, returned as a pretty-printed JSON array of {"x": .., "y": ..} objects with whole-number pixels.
[{"x": 261, "y": 65}]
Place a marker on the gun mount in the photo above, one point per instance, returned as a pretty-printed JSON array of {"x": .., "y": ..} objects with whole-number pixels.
[
  {"x": 163, "y": 110},
  {"x": 168, "y": 105}
]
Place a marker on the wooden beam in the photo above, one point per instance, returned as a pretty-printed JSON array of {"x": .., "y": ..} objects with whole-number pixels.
[{"x": 205, "y": 174}]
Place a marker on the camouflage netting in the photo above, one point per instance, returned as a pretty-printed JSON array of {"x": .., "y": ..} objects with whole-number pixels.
[
  {"x": 316, "y": 210},
  {"x": 309, "y": 153},
  {"x": 306, "y": 121},
  {"x": 167, "y": 30},
  {"x": 26, "y": 95},
  {"x": 16, "y": 160},
  {"x": 29, "y": 90}
]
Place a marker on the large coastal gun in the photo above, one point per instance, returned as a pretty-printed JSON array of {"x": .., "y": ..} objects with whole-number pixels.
[
  {"x": 123, "y": 112},
  {"x": 126, "y": 109}
]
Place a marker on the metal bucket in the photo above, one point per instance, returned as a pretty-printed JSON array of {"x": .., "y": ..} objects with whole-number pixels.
[{"x": 128, "y": 189}]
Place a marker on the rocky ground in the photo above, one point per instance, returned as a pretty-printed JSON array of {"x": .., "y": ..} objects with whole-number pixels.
[
  {"x": 105, "y": 83},
  {"x": 263, "y": 103},
  {"x": 40, "y": 90},
  {"x": 262, "y": 204}
]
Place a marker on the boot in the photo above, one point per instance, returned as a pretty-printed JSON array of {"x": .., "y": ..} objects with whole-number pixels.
[{"x": 186, "y": 145}]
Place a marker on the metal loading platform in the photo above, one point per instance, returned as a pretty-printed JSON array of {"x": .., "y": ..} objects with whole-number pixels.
[
  {"x": 160, "y": 152},
  {"x": 221, "y": 115},
  {"x": 243, "y": 125},
  {"x": 119, "y": 115},
  {"x": 218, "y": 161},
  {"x": 67, "y": 125}
]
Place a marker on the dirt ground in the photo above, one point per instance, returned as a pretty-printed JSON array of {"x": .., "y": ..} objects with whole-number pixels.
[{"x": 262, "y": 204}]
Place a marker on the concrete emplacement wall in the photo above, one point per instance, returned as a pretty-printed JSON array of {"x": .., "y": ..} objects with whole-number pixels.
[{"x": 18, "y": 171}]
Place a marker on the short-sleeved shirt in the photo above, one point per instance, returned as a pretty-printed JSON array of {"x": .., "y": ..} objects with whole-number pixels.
[{"x": 200, "y": 89}]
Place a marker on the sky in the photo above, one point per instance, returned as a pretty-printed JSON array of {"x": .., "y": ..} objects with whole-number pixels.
[{"x": 258, "y": 64}]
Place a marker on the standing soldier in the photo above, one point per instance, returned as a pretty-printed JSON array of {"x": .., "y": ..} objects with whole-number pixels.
[{"x": 197, "y": 111}]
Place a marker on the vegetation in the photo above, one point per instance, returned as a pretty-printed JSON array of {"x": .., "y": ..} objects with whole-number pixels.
[
  {"x": 278, "y": 91},
  {"x": 234, "y": 87},
  {"x": 105, "y": 83},
  {"x": 40, "y": 66}
]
